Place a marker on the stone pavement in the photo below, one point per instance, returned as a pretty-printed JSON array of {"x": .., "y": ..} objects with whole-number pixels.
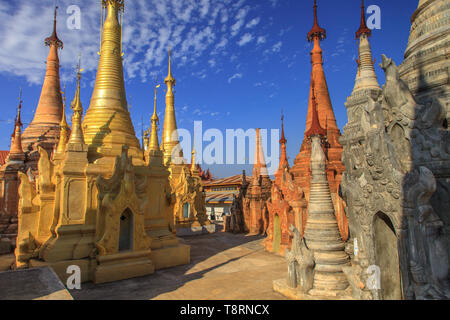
[
  {"x": 223, "y": 266},
  {"x": 6, "y": 260},
  {"x": 32, "y": 284}
]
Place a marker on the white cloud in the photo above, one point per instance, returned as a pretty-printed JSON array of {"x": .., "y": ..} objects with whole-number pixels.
[
  {"x": 235, "y": 76},
  {"x": 277, "y": 46},
  {"x": 212, "y": 63},
  {"x": 240, "y": 21},
  {"x": 274, "y": 2},
  {"x": 261, "y": 40},
  {"x": 190, "y": 27},
  {"x": 246, "y": 38},
  {"x": 253, "y": 23}
]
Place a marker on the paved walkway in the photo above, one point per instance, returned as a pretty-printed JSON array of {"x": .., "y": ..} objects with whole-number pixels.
[{"x": 223, "y": 266}]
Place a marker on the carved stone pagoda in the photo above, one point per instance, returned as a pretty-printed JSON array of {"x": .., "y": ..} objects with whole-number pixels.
[
  {"x": 316, "y": 260},
  {"x": 250, "y": 207},
  {"x": 189, "y": 211},
  {"x": 396, "y": 183},
  {"x": 286, "y": 206}
]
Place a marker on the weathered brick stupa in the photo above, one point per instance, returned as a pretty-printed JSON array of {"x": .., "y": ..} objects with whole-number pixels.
[
  {"x": 189, "y": 210},
  {"x": 333, "y": 149},
  {"x": 425, "y": 68},
  {"x": 250, "y": 207},
  {"x": 315, "y": 262},
  {"x": 397, "y": 160},
  {"x": 44, "y": 129},
  {"x": 286, "y": 206},
  {"x": 98, "y": 205},
  {"x": 10, "y": 182}
]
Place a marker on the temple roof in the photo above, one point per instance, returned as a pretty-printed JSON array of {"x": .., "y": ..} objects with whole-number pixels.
[{"x": 233, "y": 180}]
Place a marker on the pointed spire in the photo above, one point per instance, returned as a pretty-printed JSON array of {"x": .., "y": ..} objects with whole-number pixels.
[
  {"x": 316, "y": 128},
  {"x": 363, "y": 29},
  {"x": 107, "y": 124},
  {"x": 154, "y": 144},
  {"x": 45, "y": 124},
  {"x": 194, "y": 167},
  {"x": 76, "y": 136},
  {"x": 260, "y": 163},
  {"x": 16, "y": 152},
  {"x": 316, "y": 31},
  {"x": 366, "y": 77},
  {"x": 170, "y": 134},
  {"x": 53, "y": 39},
  {"x": 283, "y": 157},
  {"x": 63, "y": 127},
  {"x": 283, "y": 139},
  {"x": 318, "y": 80},
  {"x": 170, "y": 77}
]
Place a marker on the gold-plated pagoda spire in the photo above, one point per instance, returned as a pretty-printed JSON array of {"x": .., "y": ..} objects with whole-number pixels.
[
  {"x": 154, "y": 144},
  {"x": 194, "y": 168},
  {"x": 76, "y": 136},
  {"x": 170, "y": 134},
  {"x": 107, "y": 125},
  {"x": 63, "y": 127}
]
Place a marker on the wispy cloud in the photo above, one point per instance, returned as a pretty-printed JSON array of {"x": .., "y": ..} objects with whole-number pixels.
[
  {"x": 190, "y": 27},
  {"x": 235, "y": 76},
  {"x": 246, "y": 38},
  {"x": 261, "y": 40},
  {"x": 253, "y": 23}
]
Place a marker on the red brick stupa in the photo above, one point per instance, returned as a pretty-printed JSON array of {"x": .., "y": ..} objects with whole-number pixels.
[
  {"x": 325, "y": 117},
  {"x": 44, "y": 129}
]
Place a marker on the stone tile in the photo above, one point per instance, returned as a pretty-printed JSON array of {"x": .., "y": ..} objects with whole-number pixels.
[{"x": 223, "y": 266}]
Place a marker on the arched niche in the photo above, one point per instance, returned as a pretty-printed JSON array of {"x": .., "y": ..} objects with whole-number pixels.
[
  {"x": 186, "y": 210},
  {"x": 126, "y": 233},
  {"x": 387, "y": 259}
]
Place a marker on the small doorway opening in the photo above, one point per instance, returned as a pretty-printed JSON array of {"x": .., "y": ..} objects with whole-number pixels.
[
  {"x": 386, "y": 246},
  {"x": 126, "y": 231},
  {"x": 186, "y": 210}
]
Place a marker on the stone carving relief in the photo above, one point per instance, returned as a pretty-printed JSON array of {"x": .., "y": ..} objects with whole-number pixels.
[
  {"x": 188, "y": 189},
  {"x": 300, "y": 263},
  {"x": 391, "y": 160},
  {"x": 115, "y": 195}
]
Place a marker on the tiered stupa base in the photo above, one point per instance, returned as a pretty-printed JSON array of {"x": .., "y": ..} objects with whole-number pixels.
[{"x": 281, "y": 287}]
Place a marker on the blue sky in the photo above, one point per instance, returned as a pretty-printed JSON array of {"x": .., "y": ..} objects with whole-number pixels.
[{"x": 237, "y": 63}]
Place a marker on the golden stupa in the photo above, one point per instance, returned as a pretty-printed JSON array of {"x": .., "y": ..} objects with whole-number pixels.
[
  {"x": 189, "y": 211},
  {"x": 97, "y": 203},
  {"x": 107, "y": 125}
]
